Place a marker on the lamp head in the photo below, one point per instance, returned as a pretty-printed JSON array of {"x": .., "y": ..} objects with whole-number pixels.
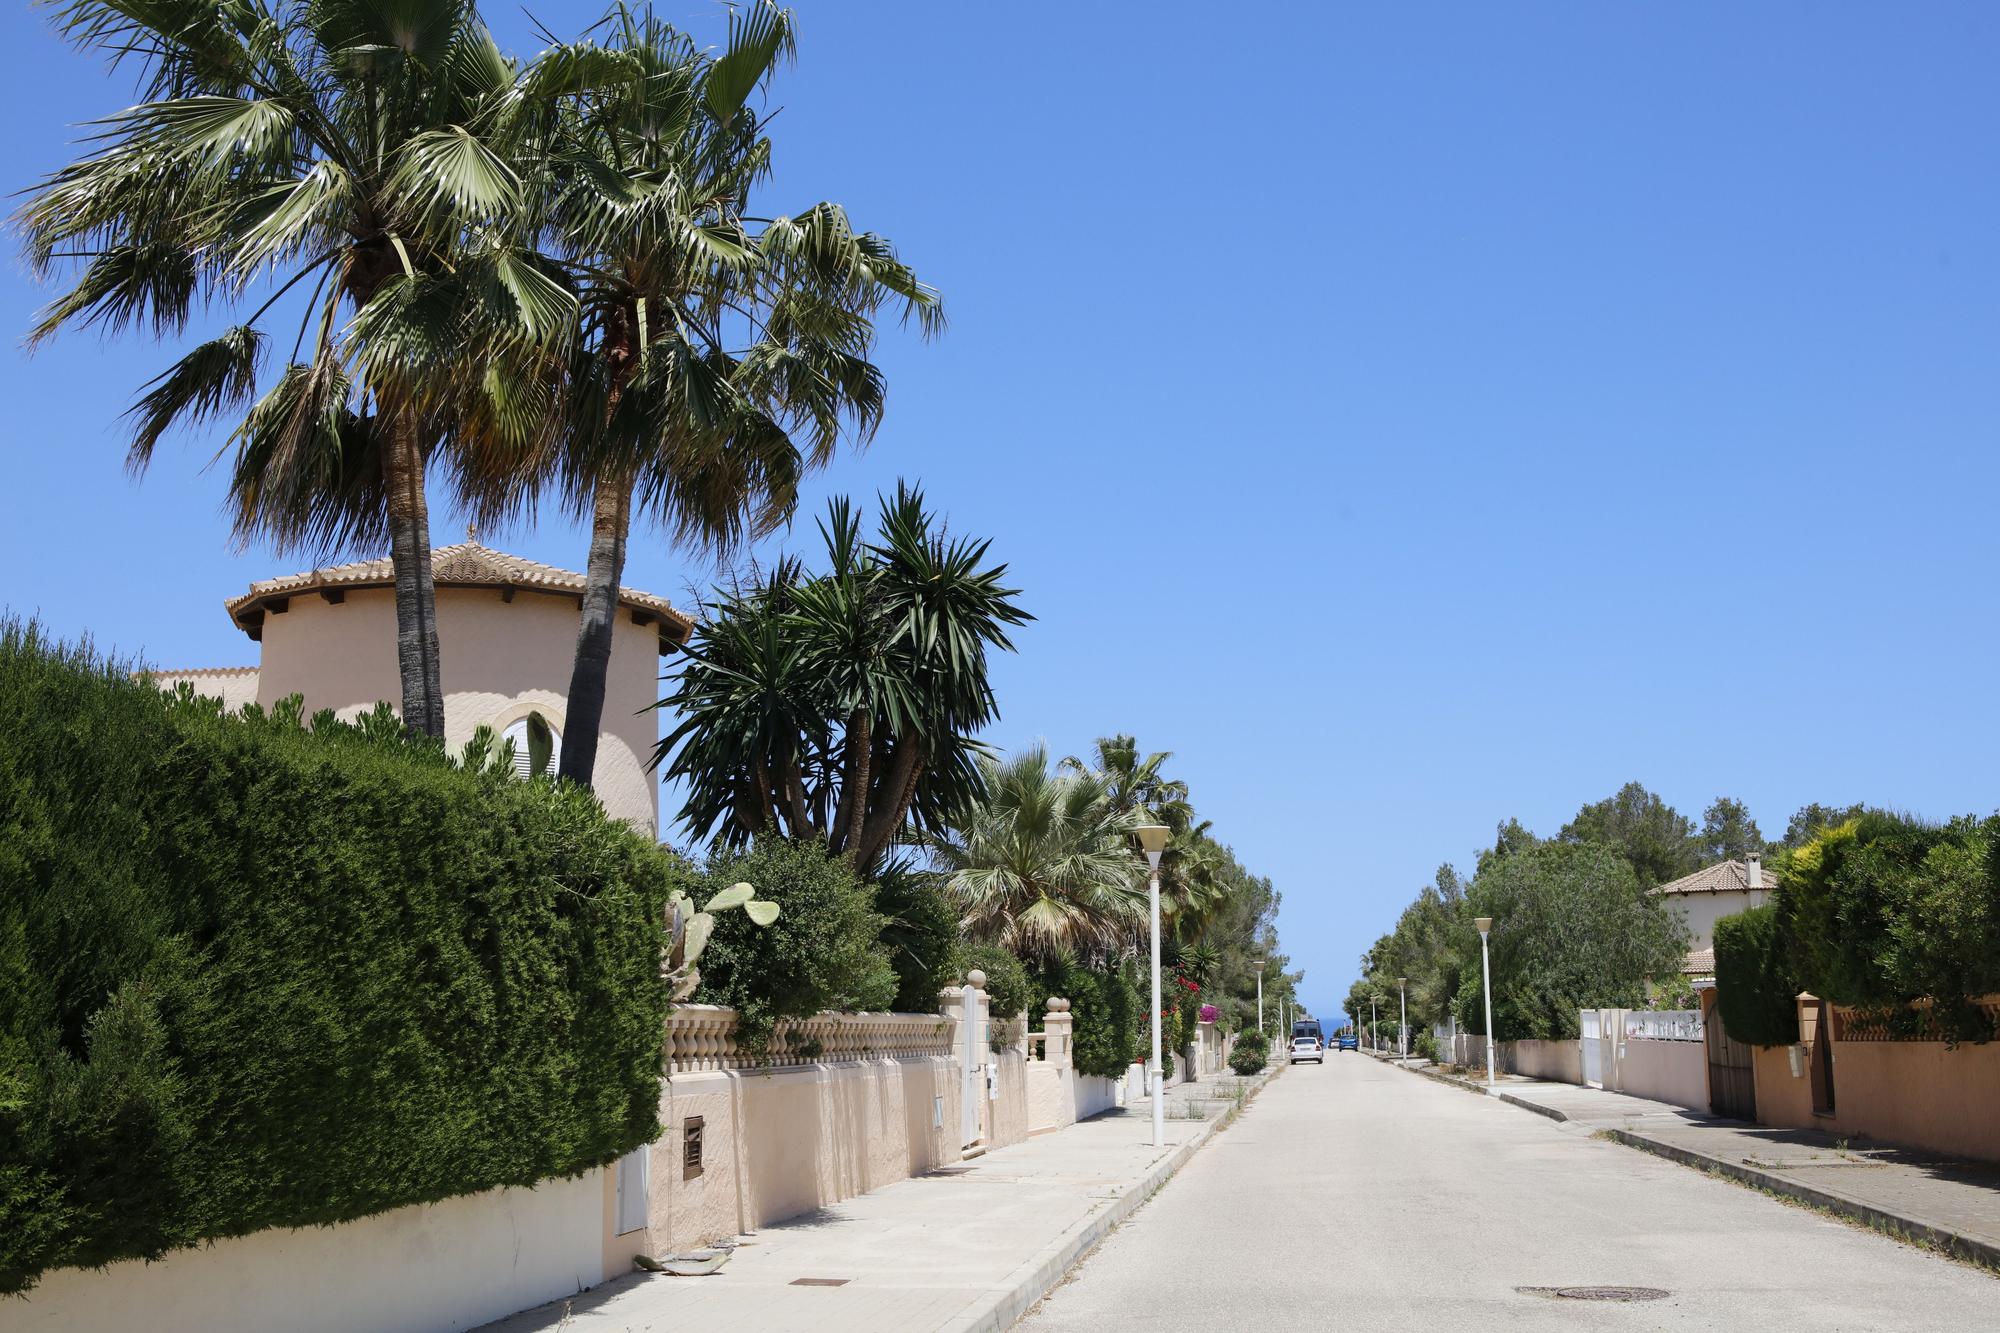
[
  {"x": 1153, "y": 840},
  {"x": 1483, "y": 923}
]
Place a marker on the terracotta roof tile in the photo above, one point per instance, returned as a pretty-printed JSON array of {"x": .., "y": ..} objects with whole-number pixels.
[
  {"x": 1698, "y": 963},
  {"x": 467, "y": 564},
  {"x": 1722, "y": 877}
]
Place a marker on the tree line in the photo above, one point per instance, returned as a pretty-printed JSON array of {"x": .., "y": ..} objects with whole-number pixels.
[{"x": 1576, "y": 923}]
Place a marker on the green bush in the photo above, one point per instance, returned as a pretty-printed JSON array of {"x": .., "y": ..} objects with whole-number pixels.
[
  {"x": 1105, "y": 1010},
  {"x": 1246, "y": 1060},
  {"x": 257, "y": 975},
  {"x": 1885, "y": 910},
  {"x": 1254, "y": 1038},
  {"x": 823, "y": 952},
  {"x": 920, "y": 934},
  {"x": 1425, "y": 1044},
  {"x": 1009, "y": 990},
  {"x": 1756, "y": 993}
]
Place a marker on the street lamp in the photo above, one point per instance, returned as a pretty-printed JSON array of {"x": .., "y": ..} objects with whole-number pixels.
[
  {"x": 1403, "y": 1014},
  {"x": 1153, "y": 840},
  {"x": 1371, "y": 1020},
  {"x": 1485, "y": 924},
  {"x": 1260, "y": 1001}
]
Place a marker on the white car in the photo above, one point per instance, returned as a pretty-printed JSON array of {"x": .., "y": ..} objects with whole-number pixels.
[{"x": 1307, "y": 1048}]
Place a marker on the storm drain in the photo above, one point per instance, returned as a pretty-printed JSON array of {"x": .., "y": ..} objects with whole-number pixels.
[
  {"x": 1596, "y": 1293},
  {"x": 820, "y": 1281}
]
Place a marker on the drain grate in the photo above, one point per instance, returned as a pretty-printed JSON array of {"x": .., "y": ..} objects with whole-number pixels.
[
  {"x": 948, "y": 1171},
  {"x": 1596, "y": 1293},
  {"x": 820, "y": 1281}
]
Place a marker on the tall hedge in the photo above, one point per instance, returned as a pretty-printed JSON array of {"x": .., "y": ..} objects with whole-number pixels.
[
  {"x": 1756, "y": 989},
  {"x": 255, "y": 973},
  {"x": 1886, "y": 909}
]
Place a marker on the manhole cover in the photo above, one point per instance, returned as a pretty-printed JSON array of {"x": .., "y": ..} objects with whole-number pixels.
[{"x": 1596, "y": 1293}]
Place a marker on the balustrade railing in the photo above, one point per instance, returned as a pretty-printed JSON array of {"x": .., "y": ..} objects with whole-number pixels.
[{"x": 703, "y": 1037}]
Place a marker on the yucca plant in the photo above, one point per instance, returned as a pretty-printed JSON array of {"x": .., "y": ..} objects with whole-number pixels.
[{"x": 333, "y": 162}]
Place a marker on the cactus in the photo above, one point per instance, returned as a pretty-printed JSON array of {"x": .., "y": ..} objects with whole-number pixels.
[{"x": 688, "y": 932}]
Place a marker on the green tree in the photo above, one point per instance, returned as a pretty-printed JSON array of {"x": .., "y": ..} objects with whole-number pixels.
[
  {"x": 842, "y": 706},
  {"x": 1041, "y": 864},
  {"x": 1573, "y": 928},
  {"x": 1807, "y": 822},
  {"x": 1728, "y": 833},
  {"x": 1658, "y": 841},
  {"x": 341, "y": 144},
  {"x": 718, "y": 358}
]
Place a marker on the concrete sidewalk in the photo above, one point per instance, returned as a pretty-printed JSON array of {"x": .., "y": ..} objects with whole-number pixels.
[
  {"x": 1947, "y": 1203},
  {"x": 965, "y": 1248}
]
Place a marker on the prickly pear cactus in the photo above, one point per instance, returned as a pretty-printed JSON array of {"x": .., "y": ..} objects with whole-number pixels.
[{"x": 688, "y": 932}]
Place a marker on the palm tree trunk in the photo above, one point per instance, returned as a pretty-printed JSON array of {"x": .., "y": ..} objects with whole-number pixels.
[
  {"x": 416, "y": 594},
  {"x": 899, "y": 788},
  {"x": 853, "y": 808},
  {"x": 610, "y": 525}
]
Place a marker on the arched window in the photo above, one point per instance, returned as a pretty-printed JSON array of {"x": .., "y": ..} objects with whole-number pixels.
[{"x": 521, "y": 732}]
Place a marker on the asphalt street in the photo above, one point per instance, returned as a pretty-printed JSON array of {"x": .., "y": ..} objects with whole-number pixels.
[{"x": 1355, "y": 1195}]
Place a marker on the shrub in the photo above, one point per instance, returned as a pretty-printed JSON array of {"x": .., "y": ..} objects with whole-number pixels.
[
  {"x": 1756, "y": 994},
  {"x": 1885, "y": 910},
  {"x": 1008, "y": 988},
  {"x": 920, "y": 934},
  {"x": 257, "y": 975},
  {"x": 1425, "y": 1044},
  {"x": 1252, "y": 1037},
  {"x": 1244, "y": 1059},
  {"x": 1104, "y": 1009},
  {"x": 821, "y": 953}
]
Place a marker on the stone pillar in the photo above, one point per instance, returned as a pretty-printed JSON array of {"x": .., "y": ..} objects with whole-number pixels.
[
  {"x": 1057, "y": 1030},
  {"x": 1206, "y": 1059}
]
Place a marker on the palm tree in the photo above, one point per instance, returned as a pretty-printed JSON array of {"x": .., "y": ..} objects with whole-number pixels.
[
  {"x": 711, "y": 347},
  {"x": 1133, "y": 783},
  {"x": 1041, "y": 863},
  {"x": 337, "y": 141}
]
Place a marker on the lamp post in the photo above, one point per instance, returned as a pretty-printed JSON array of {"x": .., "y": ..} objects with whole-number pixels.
[
  {"x": 1260, "y": 1001},
  {"x": 1153, "y": 840},
  {"x": 1371, "y": 1020},
  {"x": 1403, "y": 1012},
  {"x": 1485, "y": 924}
]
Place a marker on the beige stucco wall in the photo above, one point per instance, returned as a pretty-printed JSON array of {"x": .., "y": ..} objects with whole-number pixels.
[
  {"x": 1675, "y": 1072},
  {"x": 1915, "y": 1093},
  {"x": 439, "y": 1266},
  {"x": 235, "y": 686},
  {"x": 498, "y": 660},
  {"x": 1700, "y": 911},
  {"x": 781, "y": 1142},
  {"x": 1559, "y": 1061}
]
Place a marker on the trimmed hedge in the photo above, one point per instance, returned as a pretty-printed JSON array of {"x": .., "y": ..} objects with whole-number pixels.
[
  {"x": 254, "y": 974},
  {"x": 1755, "y": 991}
]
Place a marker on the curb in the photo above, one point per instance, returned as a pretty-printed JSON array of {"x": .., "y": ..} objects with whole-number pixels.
[
  {"x": 1939, "y": 1237},
  {"x": 1036, "y": 1278},
  {"x": 1536, "y": 1107}
]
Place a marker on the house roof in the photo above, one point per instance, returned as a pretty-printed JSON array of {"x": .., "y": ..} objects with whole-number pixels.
[
  {"x": 1698, "y": 963},
  {"x": 1722, "y": 877},
  {"x": 466, "y": 565}
]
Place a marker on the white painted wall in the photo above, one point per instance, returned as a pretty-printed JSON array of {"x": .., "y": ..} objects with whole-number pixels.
[{"x": 425, "y": 1269}]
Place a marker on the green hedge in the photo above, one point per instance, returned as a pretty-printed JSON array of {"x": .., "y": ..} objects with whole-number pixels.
[
  {"x": 1885, "y": 909},
  {"x": 1756, "y": 993},
  {"x": 255, "y": 975}
]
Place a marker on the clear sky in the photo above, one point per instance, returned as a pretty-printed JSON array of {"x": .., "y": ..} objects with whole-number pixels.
[{"x": 1411, "y": 416}]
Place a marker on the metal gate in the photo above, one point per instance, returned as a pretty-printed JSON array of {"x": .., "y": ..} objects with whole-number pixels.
[
  {"x": 1593, "y": 1047},
  {"x": 1732, "y": 1087}
]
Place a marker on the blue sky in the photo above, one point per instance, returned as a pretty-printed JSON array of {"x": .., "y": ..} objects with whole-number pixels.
[{"x": 1410, "y": 416}]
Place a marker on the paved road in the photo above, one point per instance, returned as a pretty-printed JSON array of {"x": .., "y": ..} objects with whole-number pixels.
[{"x": 1356, "y": 1196}]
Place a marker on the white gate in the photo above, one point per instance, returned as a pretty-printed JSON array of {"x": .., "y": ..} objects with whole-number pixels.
[{"x": 1593, "y": 1048}]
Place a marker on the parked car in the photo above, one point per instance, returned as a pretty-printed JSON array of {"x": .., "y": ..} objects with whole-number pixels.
[
  {"x": 1349, "y": 1042},
  {"x": 1307, "y": 1048}
]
